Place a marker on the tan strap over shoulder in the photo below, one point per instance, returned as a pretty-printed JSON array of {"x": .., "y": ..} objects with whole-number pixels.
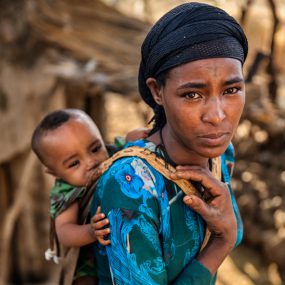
[
  {"x": 159, "y": 164},
  {"x": 155, "y": 161}
]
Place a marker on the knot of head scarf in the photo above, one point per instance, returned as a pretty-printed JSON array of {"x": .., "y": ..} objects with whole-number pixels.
[{"x": 189, "y": 32}]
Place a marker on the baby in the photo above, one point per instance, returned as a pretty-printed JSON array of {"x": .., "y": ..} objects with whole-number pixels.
[{"x": 70, "y": 146}]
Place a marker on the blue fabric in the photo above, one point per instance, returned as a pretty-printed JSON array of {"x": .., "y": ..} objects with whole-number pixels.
[
  {"x": 227, "y": 169},
  {"x": 155, "y": 237}
]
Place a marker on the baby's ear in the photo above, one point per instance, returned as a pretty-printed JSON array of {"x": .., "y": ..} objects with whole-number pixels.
[{"x": 51, "y": 172}]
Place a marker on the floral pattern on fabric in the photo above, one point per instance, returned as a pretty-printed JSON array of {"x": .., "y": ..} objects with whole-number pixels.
[{"x": 154, "y": 239}]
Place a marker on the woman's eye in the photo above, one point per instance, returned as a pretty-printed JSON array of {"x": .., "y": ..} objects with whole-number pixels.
[
  {"x": 73, "y": 164},
  {"x": 96, "y": 148},
  {"x": 232, "y": 90},
  {"x": 192, "y": 95}
]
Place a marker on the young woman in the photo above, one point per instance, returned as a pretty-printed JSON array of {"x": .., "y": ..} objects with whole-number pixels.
[{"x": 191, "y": 75}]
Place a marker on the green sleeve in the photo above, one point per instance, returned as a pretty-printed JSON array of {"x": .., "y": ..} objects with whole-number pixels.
[
  {"x": 195, "y": 273},
  {"x": 62, "y": 195}
]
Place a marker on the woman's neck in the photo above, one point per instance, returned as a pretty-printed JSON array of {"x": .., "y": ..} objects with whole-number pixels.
[{"x": 176, "y": 151}]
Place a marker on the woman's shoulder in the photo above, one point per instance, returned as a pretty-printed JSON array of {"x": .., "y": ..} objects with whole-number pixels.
[
  {"x": 132, "y": 174},
  {"x": 130, "y": 183},
  {"x": 134, "y": 162}
]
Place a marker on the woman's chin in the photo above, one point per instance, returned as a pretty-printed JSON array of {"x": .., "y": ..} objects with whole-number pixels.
[{"x": 212, "y": 152}]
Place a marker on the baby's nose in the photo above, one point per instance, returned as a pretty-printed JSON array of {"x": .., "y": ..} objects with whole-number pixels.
[{"x": 92, "y": 164}]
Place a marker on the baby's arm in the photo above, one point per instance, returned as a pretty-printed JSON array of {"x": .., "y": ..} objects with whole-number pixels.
[{"x": 71, "y": 234}]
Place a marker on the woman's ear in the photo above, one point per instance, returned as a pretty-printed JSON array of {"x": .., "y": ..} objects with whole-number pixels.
[{"x": 155, "y": 89}]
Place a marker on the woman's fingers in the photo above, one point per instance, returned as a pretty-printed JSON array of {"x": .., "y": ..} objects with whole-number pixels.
[
  {"x": 201, "y": 207},
  {"x": 197, "y": 205},
  {"x": 216, "y": 208},
  {"x": 206, "y": 211},
  {"x": 199, "y": 174},
  {"x": 218, "y": 215}
]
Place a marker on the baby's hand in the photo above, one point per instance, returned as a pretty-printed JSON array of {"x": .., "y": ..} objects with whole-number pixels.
[{"x": 98, "y": 222}]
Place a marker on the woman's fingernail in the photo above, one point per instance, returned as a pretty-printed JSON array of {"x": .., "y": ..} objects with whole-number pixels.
[{"x": 188, "y": 199}]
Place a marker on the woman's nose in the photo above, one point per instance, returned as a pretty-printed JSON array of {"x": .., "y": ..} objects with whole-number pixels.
[{"x": 214, "y": 111}]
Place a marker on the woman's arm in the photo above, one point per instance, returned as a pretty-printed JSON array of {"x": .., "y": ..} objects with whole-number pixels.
[{"x": 217, "y": 212}]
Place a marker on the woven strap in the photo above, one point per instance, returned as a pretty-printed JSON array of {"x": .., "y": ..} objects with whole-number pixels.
[
  {"x": 155, "y": 161},
  {"x": 159, "y": 164}
]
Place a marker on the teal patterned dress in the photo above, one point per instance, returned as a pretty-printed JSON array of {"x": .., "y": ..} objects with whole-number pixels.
[{"x": 155, "y": 237}]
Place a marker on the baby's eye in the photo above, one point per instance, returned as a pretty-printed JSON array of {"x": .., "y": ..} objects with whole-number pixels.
[
  {"x": 232, "y": 90},
  {"x": 73, "y": 164},
  {"x": 96, "y": 148}
]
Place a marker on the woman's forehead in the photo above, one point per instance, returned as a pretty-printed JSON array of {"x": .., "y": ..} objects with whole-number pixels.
[
  {"x": 189, "y": 32},
  {"x": 204, "y": 68}
]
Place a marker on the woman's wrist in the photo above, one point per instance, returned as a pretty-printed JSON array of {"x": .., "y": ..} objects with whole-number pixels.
[{"x": 215, "y": 253}]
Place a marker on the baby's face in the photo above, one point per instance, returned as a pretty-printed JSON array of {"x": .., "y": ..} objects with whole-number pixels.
[{"x": 73, "y": 151}]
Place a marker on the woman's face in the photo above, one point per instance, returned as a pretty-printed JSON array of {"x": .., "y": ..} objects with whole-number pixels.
[{"x": 203, "y": 101}]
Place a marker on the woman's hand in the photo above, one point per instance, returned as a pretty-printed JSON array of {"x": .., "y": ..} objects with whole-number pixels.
[
  {"x": 98, "y": 223},
  {"x": 216, "y": 210}
]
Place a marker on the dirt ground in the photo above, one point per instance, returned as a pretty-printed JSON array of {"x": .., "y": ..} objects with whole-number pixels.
[{"x": 245, "y": 265}]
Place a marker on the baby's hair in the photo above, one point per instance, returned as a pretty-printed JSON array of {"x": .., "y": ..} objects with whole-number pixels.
[{"x": 49, "y": 123}]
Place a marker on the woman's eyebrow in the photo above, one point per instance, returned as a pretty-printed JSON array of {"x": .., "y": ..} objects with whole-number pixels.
[
  {"x": 234, "y": 80},
  {"x": 193, "y": 85}
]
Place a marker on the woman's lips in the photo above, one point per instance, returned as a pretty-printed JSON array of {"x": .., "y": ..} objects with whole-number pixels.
[{"x": 214, "y": 139}]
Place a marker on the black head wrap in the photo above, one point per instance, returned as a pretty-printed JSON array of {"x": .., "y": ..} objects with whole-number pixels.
[{"x": 189, "y": 32}]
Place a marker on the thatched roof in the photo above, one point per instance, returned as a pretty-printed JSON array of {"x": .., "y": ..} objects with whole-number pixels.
[{"x": 89, "y": 30}]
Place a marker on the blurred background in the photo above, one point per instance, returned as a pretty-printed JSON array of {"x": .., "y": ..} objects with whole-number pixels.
[{"x": 84, "y": 54}]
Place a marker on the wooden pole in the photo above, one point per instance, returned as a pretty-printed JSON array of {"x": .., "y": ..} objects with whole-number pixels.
[{"x": 13, "y": 215}]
